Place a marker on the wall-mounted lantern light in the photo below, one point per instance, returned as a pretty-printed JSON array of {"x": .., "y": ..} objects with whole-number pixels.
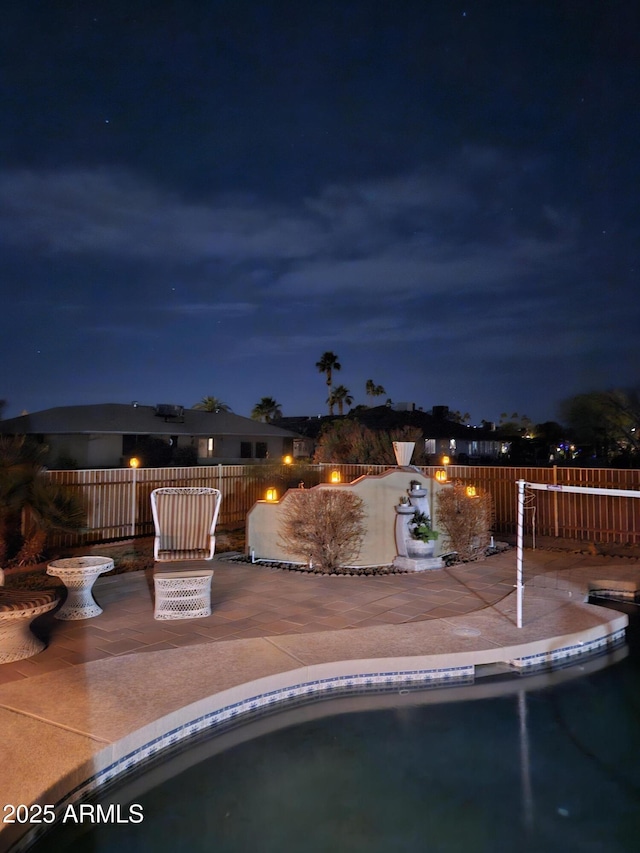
[
  {"x": 471, "y": 492},
  {"x": 271, "y": 495},
  {"x": 288, "y": 460},
  {"x": 445, "y": 460},
  {"x": 441, "y": 475},
  {"x": 336, "y": 477}
]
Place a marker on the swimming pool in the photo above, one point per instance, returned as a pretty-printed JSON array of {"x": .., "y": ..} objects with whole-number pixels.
[{"x": 546, "y": 762}]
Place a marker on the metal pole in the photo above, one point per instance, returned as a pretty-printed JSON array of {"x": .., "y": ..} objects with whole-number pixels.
[
  {"x": 521, "y": 485},
  {"x": 556, "y": 526}
]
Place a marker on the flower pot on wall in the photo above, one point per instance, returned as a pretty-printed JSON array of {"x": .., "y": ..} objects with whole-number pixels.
[{"x": 403, "y": 451}]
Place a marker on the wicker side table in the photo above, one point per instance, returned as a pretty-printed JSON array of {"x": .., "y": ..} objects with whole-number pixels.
[
  {"x": 17, "y": 609},
  {"x": 78, "y": 574},
  {"x": 183, "y": 595}
]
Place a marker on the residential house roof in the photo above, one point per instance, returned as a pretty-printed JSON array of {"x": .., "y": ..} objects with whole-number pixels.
[{"x": 123, "y": 419}]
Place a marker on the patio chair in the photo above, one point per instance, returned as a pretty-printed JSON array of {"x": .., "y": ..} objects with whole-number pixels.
[{"x": 185, "y": 522}]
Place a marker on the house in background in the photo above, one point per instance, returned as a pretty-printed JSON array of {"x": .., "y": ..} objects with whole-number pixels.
[
  {"x": 442, "y": 437},
  {"x": 108, "y": 435}
]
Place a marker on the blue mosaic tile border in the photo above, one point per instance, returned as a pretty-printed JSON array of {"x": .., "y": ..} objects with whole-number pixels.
[
  {"x": 245, "y": 707},
  {"x": 566, "y": 652},
  {"x": 615, "y": 594}
]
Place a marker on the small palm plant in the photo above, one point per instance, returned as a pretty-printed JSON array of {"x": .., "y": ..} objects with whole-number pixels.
[
  {"x": 31, "y": 506},
  {"x": 421, "y": 529}
]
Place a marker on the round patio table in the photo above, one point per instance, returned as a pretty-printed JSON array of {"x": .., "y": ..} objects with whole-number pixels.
[{"x": 78, "y": 574}]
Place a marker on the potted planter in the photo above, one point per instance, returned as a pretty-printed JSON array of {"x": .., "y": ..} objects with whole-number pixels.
[
  {"x": 419, "y": 550},
  {"x": 404, "y": 507},
  {"x": 403, "y": 451},
  {"x": 416, "y": 489},
  {"x": 423, "y": 536}
]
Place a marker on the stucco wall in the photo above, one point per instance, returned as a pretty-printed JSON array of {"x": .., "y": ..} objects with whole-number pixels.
[
  {"x": 380, "y": 494},
  {"x": 87, "y": 451}
]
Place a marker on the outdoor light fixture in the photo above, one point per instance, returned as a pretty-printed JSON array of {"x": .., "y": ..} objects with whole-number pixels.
[
  {"x": 287, "y": 460},
  {"x": 271, "y": 495},
  {"x": 445, "y": 460},
  {"x": 441, "y": 475},
  {"x": 471, "y": 492},
  {"x": 134, "y": 462},
  {"x": 336, "y": 477}
]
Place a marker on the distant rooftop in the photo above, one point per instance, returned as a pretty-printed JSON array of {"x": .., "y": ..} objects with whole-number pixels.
[{"x": 134, "y": 419}]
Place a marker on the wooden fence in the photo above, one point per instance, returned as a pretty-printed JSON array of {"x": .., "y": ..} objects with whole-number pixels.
[
  {"x": 118, "y": 505},
  {"x": 597, "y": 518}
]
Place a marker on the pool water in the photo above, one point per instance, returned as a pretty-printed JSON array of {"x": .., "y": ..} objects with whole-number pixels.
[{"x": 545, "y": 763}]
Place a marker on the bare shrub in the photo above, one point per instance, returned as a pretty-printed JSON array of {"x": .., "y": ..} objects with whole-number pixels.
[
  {"x": 465, "y": 521},
  {"x": 325, "y": 526},
  {"x": 349, "y": 442}
]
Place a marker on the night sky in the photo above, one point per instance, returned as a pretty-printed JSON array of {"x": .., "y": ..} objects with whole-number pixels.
[{"x": 200, "y": 198}]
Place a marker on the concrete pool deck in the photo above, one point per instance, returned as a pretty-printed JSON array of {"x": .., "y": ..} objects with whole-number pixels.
[{"x": 108, "y": 692}]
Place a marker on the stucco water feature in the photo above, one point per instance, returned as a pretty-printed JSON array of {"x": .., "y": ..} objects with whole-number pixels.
[
  {"x": 380, "y": 494},
  {"x": 414, "y": 555}
]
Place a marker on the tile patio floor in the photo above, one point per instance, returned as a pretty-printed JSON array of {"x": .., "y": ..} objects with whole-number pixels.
[
  {"x": 94, "y": 699},
  {"x": 260, "y": 601}
]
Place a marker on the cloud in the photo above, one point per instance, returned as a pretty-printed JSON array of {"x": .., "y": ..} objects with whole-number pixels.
[
  {"x": 409, "y": 270},
  {"x": 225, "y": 310},
  {"x": 381, "y": 257},
  {"x": 108, "y": 212},
  {"x": 128, "y": 331},
  {"x": 112, "y": 212}
]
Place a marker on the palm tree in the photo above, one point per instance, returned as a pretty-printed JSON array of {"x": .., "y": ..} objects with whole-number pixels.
[
  {"x": 212, "y": 404},
  {"x": 338, "y": 397},
  {"x": 374, "y": 390},
  {"x": 267, "y": 410},
  {"x": 327, "y": 364}
]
